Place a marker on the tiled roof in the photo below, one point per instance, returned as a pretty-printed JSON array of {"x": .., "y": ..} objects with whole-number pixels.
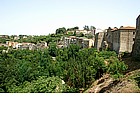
[{"x": 127, "y": 28}]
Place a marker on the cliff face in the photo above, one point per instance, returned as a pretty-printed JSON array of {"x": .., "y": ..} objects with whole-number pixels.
[{"x": 136, "y": 47}]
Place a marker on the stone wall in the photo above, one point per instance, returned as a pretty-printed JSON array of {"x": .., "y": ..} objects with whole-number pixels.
[
  {"x": 116, "y": 40},
  {"x": 99, "y": 40},
  {"x": 136, "y": 47},
  {"x": 109, "y": 36},
  {"x": 123, "y": 39},
  {"x": 127, "y": 40}
]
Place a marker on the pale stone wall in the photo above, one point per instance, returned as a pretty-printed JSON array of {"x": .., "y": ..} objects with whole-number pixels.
[
  {"x": 82, "y": 42},
  {"x": 123, "y": 40},
  {"x": 109, "y": 37},
  {"x": 116, "y": 41},
  {"x": 99, "y": 40},
  {"x": 126, "y": 40}
]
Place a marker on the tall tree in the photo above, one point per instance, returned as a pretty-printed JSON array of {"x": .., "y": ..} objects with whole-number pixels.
[{"x": 61, "y": 30}]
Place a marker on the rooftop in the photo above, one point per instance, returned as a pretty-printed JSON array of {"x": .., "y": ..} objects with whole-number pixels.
[
  {"x": 127, "y": 28},
  {"x": 124, "y": 28}
]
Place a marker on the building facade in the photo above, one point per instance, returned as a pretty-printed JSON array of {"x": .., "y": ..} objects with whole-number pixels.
[
  {"x": 99, "y": 40},
  {"x": 118, "y": 40},
  {"x": 80, "y": 41},
  {"x": 109, "y": 37},
  {"x": 136, "y": 47},
  {"x": 123, "y": 39}
]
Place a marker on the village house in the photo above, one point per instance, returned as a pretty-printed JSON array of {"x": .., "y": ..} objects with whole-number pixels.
[
  {"x": 25, "y": 36},
  {"x": 42, "y": 45},
  {"x": 84, "y": 32},
  {"x": 2, "y": 44},
  {"x": 4, "y": 36},
  {"x": 16, "y": 37},
  {"x": 11, "y": 44},
  {"x": 81, "y": 41},
  {"x": 30, "y": 46},
  {"x": 87, "y": 43}
]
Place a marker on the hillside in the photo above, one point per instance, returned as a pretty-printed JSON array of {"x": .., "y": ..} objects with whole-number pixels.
[{"x": 130, "y": 83}]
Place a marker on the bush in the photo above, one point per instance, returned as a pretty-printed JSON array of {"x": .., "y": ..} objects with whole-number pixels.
[
  {"x": 116, "y": 67},
  {"x": 42, "y": 85}
]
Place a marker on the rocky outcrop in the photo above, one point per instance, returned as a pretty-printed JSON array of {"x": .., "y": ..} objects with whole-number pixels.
[
  {"x": 102, "y": 85},
  {"x": 127, "y": 84}
]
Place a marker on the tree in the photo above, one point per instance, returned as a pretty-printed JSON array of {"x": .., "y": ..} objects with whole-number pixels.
[
  {"x": 52, "y": 49},
  {"x": 80, "y": 35},
  {"x": 42, "y": 85},
  {"x": 3, "y": 40},
  {"x": 76, "y": 28},
  {"x": 72, "y": 29},
  {"x": 61, "y": 30},
  {"x": 86, "y": 28}
]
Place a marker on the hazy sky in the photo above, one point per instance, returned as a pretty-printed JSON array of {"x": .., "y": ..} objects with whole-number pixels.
[{"x": 45, "y": 16}]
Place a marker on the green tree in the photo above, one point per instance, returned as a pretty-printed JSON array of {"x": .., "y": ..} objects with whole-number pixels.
[
  {"x": 42, "y": 85},
  {"x": 86, "y": 28},
  {"x": 61, "y": 30},
  {"x": 52, "y": 49}
]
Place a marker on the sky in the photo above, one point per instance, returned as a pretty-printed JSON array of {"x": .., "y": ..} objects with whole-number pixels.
[{"x": 41, "y": 17}]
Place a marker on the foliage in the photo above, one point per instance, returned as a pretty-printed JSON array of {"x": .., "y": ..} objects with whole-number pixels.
[
  {"x": 86, "y": 28},
  {"x": 72, "y": 29},
  {"x": 80, "y": 35},
  {"x": 44, "y": 70},
  {"x": 61, "y": 30},
  {"x": 42, "y": 85},
  {"x": 89, "y": 36},
  {"x": 52, "y": 49},
  {"x": 2, "y": 48},
  {"x": 2, "y": 40},
  {"x": 116, "y": 67}
]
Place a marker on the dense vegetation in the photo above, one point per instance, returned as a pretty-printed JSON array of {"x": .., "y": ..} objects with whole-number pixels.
[{"x": 55, "y": 70}]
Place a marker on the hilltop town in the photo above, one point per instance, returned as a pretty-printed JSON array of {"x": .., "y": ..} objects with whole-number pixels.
[
  {"x": 120, "y": 40},
  {"x": 70, "y": 60}
]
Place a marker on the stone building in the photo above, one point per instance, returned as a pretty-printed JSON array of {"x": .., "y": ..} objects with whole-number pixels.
[
  {"x": 136, "y": 47},
  {"x": 109, "y": 35},
  {"x": 99, "y": 40},
  {"x": 123, "y": 39},
  {"x": 81, "y": 41},
  {"x": 118, "y": 40}
]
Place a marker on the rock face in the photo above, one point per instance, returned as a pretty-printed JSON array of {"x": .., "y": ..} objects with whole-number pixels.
[
  {"x": 136, "y": 47},
  {"x": 106, "y": 84},
  {"x": 101, "y": 85}
]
